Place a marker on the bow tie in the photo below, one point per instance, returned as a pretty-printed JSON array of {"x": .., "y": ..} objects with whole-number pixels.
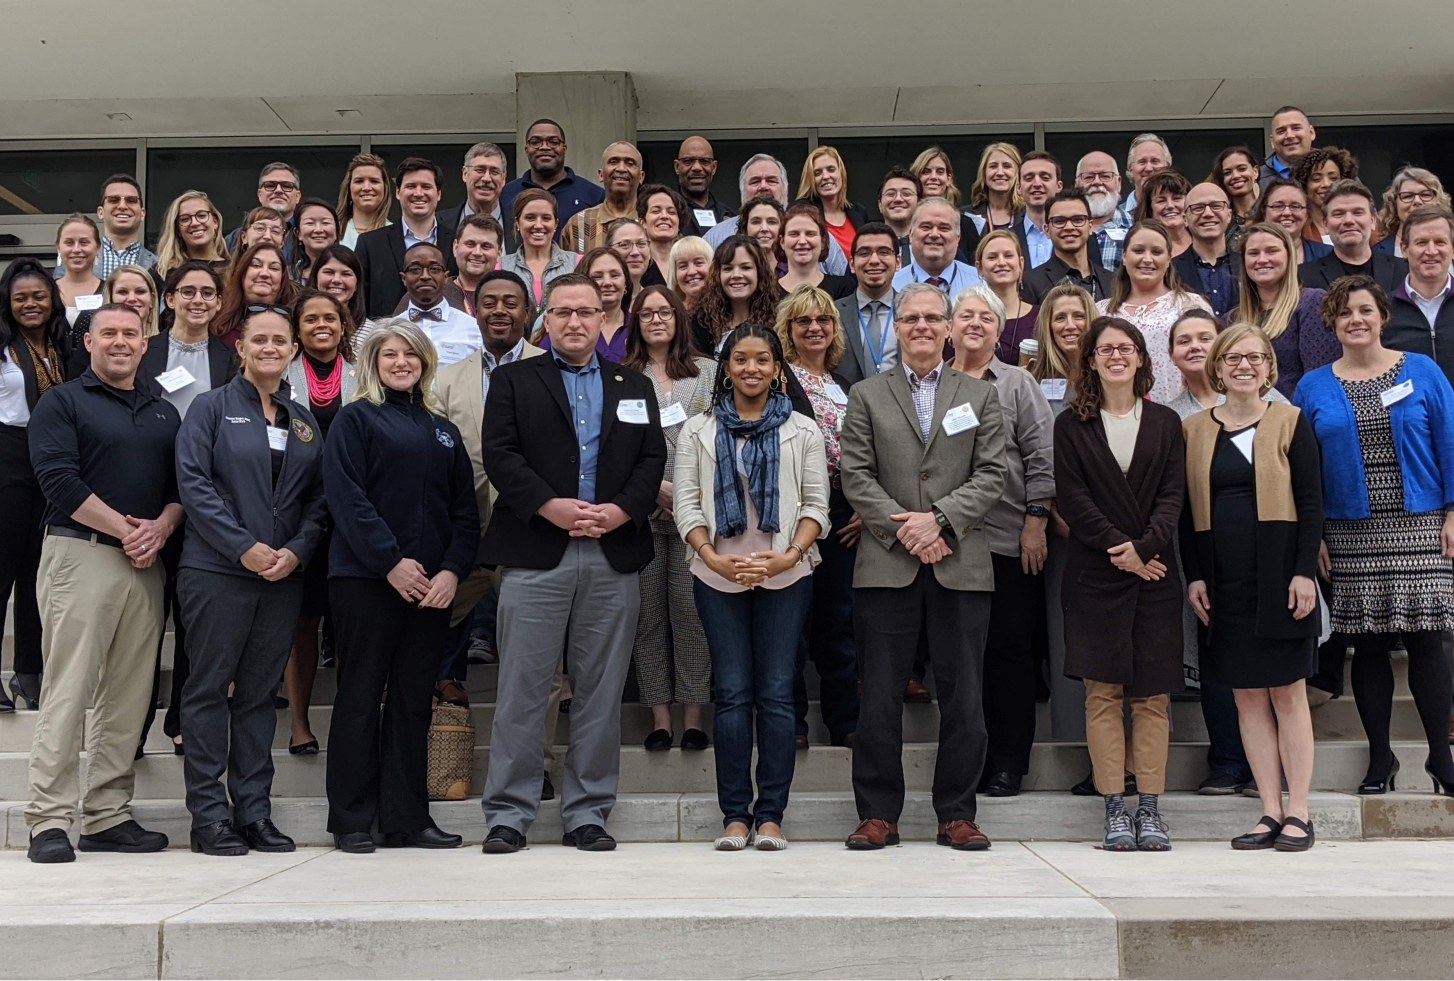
[{"x": 417, "y": 315}]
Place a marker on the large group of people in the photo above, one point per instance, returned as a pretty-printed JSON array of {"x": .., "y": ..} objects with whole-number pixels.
[{"x": 1033, "y": 438}]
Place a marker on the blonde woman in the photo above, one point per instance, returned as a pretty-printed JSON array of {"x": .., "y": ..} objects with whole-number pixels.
[
  {"x": 129, "y": 284},
  {"x": 936, "y": 177},
  {"x": 824, "y": 185},
  {"x": 78, "y": 240},
  {"x": 1411, "y": 187},
  {"x": 994, "y": 198},
  {"x": 687, "y": 268},
  {"x": 364, "y": 197},
  {"x": 1287, "y": 311},
  {"x": 191, "y": 229},
  {"x": 399, "y": 469}
]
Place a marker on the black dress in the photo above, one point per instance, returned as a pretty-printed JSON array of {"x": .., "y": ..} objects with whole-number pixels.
[{"x": 1237, "y": 657}]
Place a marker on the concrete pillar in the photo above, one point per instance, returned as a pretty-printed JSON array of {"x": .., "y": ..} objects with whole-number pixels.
[{"x": 595, "y": 108}]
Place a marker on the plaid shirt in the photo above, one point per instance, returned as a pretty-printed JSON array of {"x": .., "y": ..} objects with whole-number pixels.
[
  {"x": 1112, "y": 246},
  {"x": 110, "y": 259},
  {"x": 924, "y": 390}
]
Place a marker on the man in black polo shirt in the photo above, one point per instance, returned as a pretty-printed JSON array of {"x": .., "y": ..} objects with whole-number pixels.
[
  {"x": 1068, "y": 220},
  {"x": 102, "y": 448}
]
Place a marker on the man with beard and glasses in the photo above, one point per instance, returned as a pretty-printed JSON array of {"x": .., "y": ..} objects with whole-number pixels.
[
  {"x": 620, "y": 175},
  {"x": 1097, "y": 176},
  {"x": 484, "y": 177},
  {"x": 545, "y": 148},
  {"x": 695, "y": 169}
]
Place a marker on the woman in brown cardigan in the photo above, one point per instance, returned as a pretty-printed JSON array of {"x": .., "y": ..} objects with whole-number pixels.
[
  {"x": 1119, "y": 463},
  {"x": 1249, "y": 541}
]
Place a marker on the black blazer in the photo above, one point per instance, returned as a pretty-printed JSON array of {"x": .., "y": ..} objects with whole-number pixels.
[
  {"x": 451, "y": 218},
  {"x": 799, "y": 397},
  {"x": 220, "y": 360},
  {"x": 381, "y": 254},
  {"x": 1388, "y": 271},
  {"x": 1042, "y": 278},
  {"x": 529, "y": 449},
  {"x": 21, "y": 353}
]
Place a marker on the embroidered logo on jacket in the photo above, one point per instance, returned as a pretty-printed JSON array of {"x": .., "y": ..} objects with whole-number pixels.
[
  {"x": 302, "y": 430},
  {"x": 444, "y": 438}
]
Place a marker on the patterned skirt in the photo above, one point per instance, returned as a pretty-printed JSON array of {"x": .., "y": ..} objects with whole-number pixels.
[{"x": 1389, "y": 575}]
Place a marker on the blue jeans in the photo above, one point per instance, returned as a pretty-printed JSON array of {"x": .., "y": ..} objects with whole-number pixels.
[{"x": 753, "y": 637}]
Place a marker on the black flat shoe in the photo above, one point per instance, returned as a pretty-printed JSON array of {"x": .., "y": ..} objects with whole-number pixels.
[
  {"x": 1003, "y": 784},
  {"x": 310, "y": 748},
  {"x": 547, "y": 789},
  {"x": 1371, "y": 785},
  {"x": 589, "y": 838},
  {"x": 659, "y": 740},
  {"x": 25, "y": 689},
  {"x": 128, "y": 836},
  {"x": 218, "y": 838},
  {"x": 694, "y": 740},
  {"x": 503, "y": 841},
  {"x": 1300, "y": 843},
  {"x": 1255, "y": 840},
  {"x": 51, "y": 847},
  {"x": 430, "y": 837},
  {"x": 355, "y": 843},
  {"x": 264, "y": 836}
]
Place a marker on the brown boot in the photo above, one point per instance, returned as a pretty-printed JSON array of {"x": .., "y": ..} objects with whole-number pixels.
[
  {"x": 964, "y": 836},
  {"x": 873, "y": 834},
  {"x": 917, "y": 694}
]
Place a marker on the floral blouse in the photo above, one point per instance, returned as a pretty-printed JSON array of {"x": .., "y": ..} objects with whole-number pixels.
[
  {"x": 827, "y": 413},
  {"x": 1154, "y": 320}
]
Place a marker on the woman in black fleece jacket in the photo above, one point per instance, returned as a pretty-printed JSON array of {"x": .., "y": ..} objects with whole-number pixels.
[{"x": 401, "y": 492}]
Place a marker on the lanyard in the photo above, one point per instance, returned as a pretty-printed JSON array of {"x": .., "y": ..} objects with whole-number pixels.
[{"x": 875, "y": 352}]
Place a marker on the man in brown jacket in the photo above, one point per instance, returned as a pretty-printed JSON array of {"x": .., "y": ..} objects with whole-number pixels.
[{"x": 923, "y": 462}]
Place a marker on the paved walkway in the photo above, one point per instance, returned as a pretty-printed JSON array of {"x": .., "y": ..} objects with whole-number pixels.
[{"x": 1043, "y": 909}]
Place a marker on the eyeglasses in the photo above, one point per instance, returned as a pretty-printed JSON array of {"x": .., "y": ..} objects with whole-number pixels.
[
  {"x": 1074, "y": 221},
  {"x": 1291, "y": 206},
  {"x": 932, "y": 319},
  {"x": 115, "y": 199},
  {"x": 200, "y": 218},
  {"x": 907, "y": 193},
  {"x": 656, "y": 316},
  {"x": 696, "y": 161},
  {"x": 536, "y": 142},
  {"x": 433, "y": 269},
  {"x": 822, "y": 320},
  {"x": 1099, "y": 176},
  {"x": 278, "y": 186},
  {"x": 205, "y": 292},
  {"x": 1256, "y": 358},
  {"x": 565, "y": 313},
  {"x": 1124, "y": 350},
  {"x": 882, "y": 253},
  {"x": 1215, "y": 207},
  {"x": 1422, "y": 197},
  {"x": 266, "y": 308}
]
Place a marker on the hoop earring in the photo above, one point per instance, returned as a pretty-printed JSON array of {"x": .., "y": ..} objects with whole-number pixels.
[{"x": 776, "y": 384}]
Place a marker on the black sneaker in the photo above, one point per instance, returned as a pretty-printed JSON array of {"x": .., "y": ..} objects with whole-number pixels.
[
  {"x": 51, "y": 847},
  {"x": 1220, "y": 785},
  {"x": 128, "y": 836},
  {"x": 589, "y": 838},
  {"x": 503, "y": 841}
]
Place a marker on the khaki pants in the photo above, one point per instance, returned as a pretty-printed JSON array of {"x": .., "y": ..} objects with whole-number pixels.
[
  {"x": 1105, "y": 735},
  {"x": 101, "y": 621}
]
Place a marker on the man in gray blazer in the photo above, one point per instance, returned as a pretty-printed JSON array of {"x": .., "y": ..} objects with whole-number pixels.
[
  {"x": 867, "y": 312},
  {"x": 923, "y": 462}
]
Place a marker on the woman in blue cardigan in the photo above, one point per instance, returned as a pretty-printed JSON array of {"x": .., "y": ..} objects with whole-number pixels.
[{"x": 1385, "y": 423}]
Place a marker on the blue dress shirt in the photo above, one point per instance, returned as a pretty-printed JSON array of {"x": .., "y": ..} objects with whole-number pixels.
[{"x": 583, "y": 393}]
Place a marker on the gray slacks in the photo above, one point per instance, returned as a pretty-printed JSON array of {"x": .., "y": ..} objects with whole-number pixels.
[
  {"x": 239, "y": 632},
  {"x": 587, "y": 610}
]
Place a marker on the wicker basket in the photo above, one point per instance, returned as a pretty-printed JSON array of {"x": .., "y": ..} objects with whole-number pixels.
[{"x": 451, "y": 752}]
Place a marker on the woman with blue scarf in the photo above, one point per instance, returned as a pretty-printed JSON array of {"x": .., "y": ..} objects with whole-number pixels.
[{"x": 751, "y": 499}]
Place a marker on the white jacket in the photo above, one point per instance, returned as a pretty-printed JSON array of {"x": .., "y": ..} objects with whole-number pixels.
[{"x": 803, "y": 479}]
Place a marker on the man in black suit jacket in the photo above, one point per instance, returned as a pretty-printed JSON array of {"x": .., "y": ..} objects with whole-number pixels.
[
  {"x": 1349, "y": 211},
  {"x": 484, "y": 177},
  {"x": 574, "y": 448},
  {"x": 1067, "y": 219},
  {"x": 874, "y": 262},
  {"x": 381, "y": 252},
  {"x": 1209, "y": 267}
]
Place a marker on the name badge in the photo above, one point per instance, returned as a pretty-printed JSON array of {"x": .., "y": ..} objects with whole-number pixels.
[
  {"x": 1396, "y": 394},
  {"x": 91, "y": 302},
  {"x": 1243, "y": 442},
  {"x": 673, "y": 415},
  {"x": 632, "y": 411},
  {"x": 178, "y": 377},
  {"x": 706, "y": 217},
  {"x": 1053, "y": 389},
  {"x": 960, "y": 418},
  {"x": 277, "y": 438},
  {"x": 1117, "y": 234},
  {"x": 836, "y": 393}
]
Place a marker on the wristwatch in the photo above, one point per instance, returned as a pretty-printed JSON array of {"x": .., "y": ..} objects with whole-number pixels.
[
  {"x": 1037, "y": 511},
  {"x": 944, "y": 525}
]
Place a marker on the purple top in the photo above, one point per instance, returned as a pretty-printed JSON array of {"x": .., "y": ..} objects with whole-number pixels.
[
  {"x": 1306, "y": 344},
  {"x": 614, "y": 351},
  {"x": 1007, "y": 348}
]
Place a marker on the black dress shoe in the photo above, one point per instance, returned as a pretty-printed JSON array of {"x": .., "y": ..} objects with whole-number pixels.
[
  {"x": 1087, "y": 787},
  {"x": 1220, "y": 785},
  {"x": 310, "y": 748},
  {"x": 503, "y": 841},
  {"x": 1003, "y": 784},
  {"x": 800, "y": 741},
  {"x": 547, "y": 789},
  {"x": 589, "y": 838},
  {"x": 51, "y": 847},
  {"x": 660, "y": 739},
  {"x": 1295, "y": 843},
  {"x": 218, "y": 838},
  {"x": 1256, "y": 840},
  {"x": 694, "y": 740},
  {"x": 128, "y": 836},
  {"x": 355, "y": 843},
  {"x": 430, "y": 837},
  {"x": 1372, "y": 784},
  {"x": 26, "y": 690},
  {"x": 264, "y": 836}
]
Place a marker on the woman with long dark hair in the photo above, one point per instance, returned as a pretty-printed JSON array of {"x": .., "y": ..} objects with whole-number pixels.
[
  {"x": 741, "y": 287},
  {"x": 337, "y": 272}
]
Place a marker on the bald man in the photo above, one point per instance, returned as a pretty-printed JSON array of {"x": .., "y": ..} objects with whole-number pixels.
[
  {"x": 1209, "y": 267},
  {"x": 620, "y": 175},
  {"x": 696, "y": 167}
]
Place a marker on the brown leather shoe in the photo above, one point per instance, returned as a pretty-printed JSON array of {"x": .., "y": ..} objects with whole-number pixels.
[
  {"x": 873, "y": 834},
  {"x": 917, "y": 694},
  {"x": 963, "y": 835},
  {"x": 452, "y": 693}
]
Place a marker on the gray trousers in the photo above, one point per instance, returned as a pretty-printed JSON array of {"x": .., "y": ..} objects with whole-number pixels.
[
  {"x": 239, "y": 632},
  {"x": 586, "y": 610}
]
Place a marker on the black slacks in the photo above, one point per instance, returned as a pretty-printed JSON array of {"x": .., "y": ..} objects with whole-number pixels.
[
  {"x": 1010, "y": 667},
  {"x": 22, "y": 506},
  {"x": 181, "y": 666},
  {"x": 887, "y": 623},
  {"x": 378, "y": 770}
]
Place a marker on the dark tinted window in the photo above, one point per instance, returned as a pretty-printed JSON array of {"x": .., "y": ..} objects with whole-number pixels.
[
  {"x": 731, "y": 155},
  {"x": 1192, "y": 150},
  {"x": 1382, "y": 150},
  {"x": 450, "y": 157},
  {"x": 58, "y": 182},
  {"x": 867, "y": 159}
]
